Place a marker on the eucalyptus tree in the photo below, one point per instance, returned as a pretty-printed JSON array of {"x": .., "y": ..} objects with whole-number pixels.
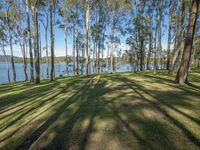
[
  {"x": 150, "y": 21},
  {"x": 169, "y": 33},
  {"x": 77, "y": 51},
  {"x": 72, "y": 6},
  {"x": 36, "y": 6},
  {"x": 87, "y": 28},
  {"x": 107, "y": 57},
  {"x": 81, "y": 47},
  {"x": 132, "y": 53},
  {"x": 94, "y": 34},
  {"x": 98, "y": 32},
  {"x": 161, "y": 6},
  {"x": 132, "y": 39},
  {"x": 63, "y": 24},
  {"x": 21, "y": 35},
  {"x": 35, "y": 30},
  {"x": 37, "y": 48},
  {"x": 9, "y": 15},
  {"x": 103, "y": 20},
  {"x": 46, "y": 27},
  {"x": 155, "y": 39},
  {"x": 182, "y": 73},
  {"x": 52, "y": 17},
  {"x": 117, "y": 12},
  {"x": 140, "y": 30},
  {"x": 180, "y": 33},
  {"x": 142, "y": 37},
  {"x": 29, "y": 40}
]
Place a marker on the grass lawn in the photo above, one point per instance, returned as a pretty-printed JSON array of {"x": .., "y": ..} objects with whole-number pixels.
[{"x": 117, "y": 111}]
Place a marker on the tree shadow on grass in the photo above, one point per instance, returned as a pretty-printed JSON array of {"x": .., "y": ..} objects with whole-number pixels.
[
  {"x": 12, "y": 99},
  {"x": 158, "y": 79},
  {"x": 59, "y": 111},
  {"x": 37, "y": 104},
  {"x": 89, "y": 107},
  {"x": 74, "y": 119},
  {"x": 139, "y": 89},
  {"x": 31, "y": 96},
  {"x": 149, "y": 133}
]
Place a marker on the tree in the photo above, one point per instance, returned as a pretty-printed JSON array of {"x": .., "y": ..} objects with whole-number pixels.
[
  {"x": 87, "y": 27},
  {"x": 30, "y": 42},
  {"x": 179, "y": 37},
  {"x": 46, "y": 27},
  {"x": 169, "y": 34},
  {"x": 9, "y": 18},
  {"x": 52, "y": 11},
  {"x": 150, "y": 35},
  {"x": 37, "y": 50},
  {"x": 63, "y": 24},
  {"x": 117, "y": 10},
  {"x": 21, "y": 34},
  {"x": 161, "y": 6},
  {"x": 182, "y": 74}
]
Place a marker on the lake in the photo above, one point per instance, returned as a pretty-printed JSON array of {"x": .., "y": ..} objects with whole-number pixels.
[{"x": 60, "y": 69}]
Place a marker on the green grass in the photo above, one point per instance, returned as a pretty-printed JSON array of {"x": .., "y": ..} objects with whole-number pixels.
[{"x": 112, "y": 111}]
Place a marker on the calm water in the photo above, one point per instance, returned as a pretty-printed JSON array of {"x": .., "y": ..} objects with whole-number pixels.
[{"x": 60, "y": 69}]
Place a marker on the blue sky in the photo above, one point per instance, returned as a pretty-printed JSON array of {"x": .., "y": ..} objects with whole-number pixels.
[{"x": 60, "y": 43}]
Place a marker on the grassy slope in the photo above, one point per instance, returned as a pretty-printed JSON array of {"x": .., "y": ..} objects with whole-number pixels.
[{"x": 117, "y": 111}]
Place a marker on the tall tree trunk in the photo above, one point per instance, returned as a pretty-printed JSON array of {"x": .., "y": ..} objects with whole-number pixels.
[
  {"x": 175, "y": 56},
  {"x": 179, "y": 35},
  {"x": 40, "y": 47},
  {"x": 112, "y": 46},
  {"x": 141, "y": 54},
  {"x": 77, "y": 55},
  {"x": 25, "y": 62},
  {"x": 74, "y": 47},
  {"x": 99, "y": 50},
  {"x": 93, "y": 58},
  {"x": 159, "y": 48},
  {"x": 103, "y": 39},
  {"x": 22, "y": 44},
  {"x": 10, "y": 42},
  {"x": 181, "y": 77},
  {"x": 136, "y": 62},
  {"x": 82, "y": 63},
  {"x": 37, "y": 62},
  {"x": 52, "y": 39},
  {"x": 12, "y": 57},
  {"x": 46, "y": 41},
  {"x": 169, "y": 35},
  {"x": 87, "y": 19},
  {"x": 111, "y": 58},
  {"x": 150, "y": 46},
  {"x": 108, "y": 54},
  {"x": 30, "y": 43},
  {"x": 155, "y": 47},
  {"x": 66, "y": 53},
  {"x": 34, "y": 32}
]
